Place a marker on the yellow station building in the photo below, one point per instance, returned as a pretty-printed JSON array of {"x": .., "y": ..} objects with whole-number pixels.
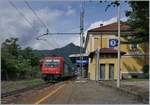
[{"x": 101, "y": 46}]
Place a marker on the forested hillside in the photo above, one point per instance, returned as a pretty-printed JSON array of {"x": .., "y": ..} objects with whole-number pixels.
[
  {"x": 64, "y": 51},
  {"x": 18, "y": 63}
]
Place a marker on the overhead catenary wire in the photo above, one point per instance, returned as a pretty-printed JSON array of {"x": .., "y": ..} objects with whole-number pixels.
[
  {"x": 41, "y": 21},
  {"x": 13, "y": 5},
  {"x": 26, "y": 19},
  {"x": 61, "y": 33},
  {"x": 60, "y": 52},
  {"x": 80, "y": 33}
]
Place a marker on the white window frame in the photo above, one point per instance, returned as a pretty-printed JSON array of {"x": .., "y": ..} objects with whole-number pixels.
[{"x": 135, "y": 48}]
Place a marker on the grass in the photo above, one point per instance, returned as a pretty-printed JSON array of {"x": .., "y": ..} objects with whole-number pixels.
[
  {"x": 135, "y": 80},
  {"x": 133, "y": 86},
  {"x": 32, "y": 82},
  {"x": 7, "y": 86}
]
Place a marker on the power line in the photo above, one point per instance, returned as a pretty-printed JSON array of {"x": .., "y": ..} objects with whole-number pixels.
[
  {"x": 38, "y": 38},
  {"x": 63, "y": 33},
  {"x": 36, "y": 14},
  {"x": 13, "y": 5},
  {"x": 67, "y": 34},
  {"x": 60, "y": 52}
]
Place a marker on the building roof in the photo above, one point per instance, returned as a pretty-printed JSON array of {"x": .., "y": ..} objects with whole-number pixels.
[
  {"x": 111, "y": 27},
  {"x": 108, "y": 51}
]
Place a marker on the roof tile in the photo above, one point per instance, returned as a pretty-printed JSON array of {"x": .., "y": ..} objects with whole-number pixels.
[{"x": 111, "y": 27}]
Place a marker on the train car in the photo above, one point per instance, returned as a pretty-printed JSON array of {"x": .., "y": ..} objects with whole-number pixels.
[{"x": 55, "y": 68}]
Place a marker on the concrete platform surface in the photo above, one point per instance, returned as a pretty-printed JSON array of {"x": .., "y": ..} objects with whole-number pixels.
[{"x": 82, "y": 91}]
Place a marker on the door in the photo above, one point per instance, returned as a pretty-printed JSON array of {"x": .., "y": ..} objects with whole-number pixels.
[
  {"x": 111, "y": 71},
  {"x": 102, "y": 72}
]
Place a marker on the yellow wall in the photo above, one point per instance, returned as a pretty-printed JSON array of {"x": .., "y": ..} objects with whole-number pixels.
[
  {"x": 107, "y": 61},
  {"x": 127, "y": 48},
  {"x": 129, "y": 63},
  {"x": 132, "y": 64},
  {"x": 95, "y": 42},
  {"x": 91, "y": 69}
]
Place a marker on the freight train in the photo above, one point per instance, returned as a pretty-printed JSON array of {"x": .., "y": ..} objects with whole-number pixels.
[{"x": 55, "y": 68}]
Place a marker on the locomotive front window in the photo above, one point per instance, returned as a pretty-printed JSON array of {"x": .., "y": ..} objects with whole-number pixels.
[{"x": 52, "y": 63}]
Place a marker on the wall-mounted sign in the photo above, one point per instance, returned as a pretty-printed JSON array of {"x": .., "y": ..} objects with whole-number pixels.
[
  {"x": 81, "y": 61},
  {"x": 113, "y": 43}
]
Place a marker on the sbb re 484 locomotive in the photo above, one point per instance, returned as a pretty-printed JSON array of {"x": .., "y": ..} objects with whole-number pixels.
[{"x": 55, "y": 68}]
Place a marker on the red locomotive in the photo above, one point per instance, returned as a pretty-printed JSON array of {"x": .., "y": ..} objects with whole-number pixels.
[{"x": 54, "y": 68}]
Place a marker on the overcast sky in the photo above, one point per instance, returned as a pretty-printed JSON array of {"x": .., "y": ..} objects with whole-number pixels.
[{"x": 59, "y": 16}]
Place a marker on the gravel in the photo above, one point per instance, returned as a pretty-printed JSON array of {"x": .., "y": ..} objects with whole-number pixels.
[{"x": 7, "y": 86}]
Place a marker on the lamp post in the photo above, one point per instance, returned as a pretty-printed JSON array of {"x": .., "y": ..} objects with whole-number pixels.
[
  {"x": 118, "y": 20},
  {"x": 81, "y": 36}
]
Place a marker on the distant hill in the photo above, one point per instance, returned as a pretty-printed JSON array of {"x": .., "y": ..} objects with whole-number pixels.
[{"x": 64, "y": 51}]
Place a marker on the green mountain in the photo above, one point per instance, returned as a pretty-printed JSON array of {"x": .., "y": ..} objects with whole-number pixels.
[{"x": 64, "y": 51}]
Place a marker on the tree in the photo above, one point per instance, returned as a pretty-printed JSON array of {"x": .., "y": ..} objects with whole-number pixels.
[
  {"x": 26, "y": 53},
  {"x": 9, "y": 54},
  {"x": 139, "y": 20},
  {"x": 17, "y": 63}
]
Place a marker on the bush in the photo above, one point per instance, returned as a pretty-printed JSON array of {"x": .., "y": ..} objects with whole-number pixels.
[{"x": 146, "y": 71}]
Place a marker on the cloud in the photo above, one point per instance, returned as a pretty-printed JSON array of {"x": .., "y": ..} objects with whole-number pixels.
[
  {"x": 97, "y": 23},
  {"x": 124, "y": 19},
  {"x": 70, "y": 11},
  {"x": 112, "y": 20},
  {"x": 12, "y": 24}
]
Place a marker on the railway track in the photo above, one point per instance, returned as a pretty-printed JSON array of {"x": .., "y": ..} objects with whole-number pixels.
[
  {"x": 10, "y": 97},
  {"x": 15, "y": 92}
]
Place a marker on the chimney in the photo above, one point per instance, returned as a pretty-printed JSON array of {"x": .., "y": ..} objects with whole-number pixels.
[{"x": 101, "y": 25}]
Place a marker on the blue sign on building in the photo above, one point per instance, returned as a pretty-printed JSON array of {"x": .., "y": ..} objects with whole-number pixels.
[
  {"x": 113, "y": 43},
  {"x": 81, "y": 61}
]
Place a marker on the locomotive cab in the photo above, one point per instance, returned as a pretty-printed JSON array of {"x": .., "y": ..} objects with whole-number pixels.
[
  {"x": 55, "y": 68},
  {"x": 51, "y": 68}
]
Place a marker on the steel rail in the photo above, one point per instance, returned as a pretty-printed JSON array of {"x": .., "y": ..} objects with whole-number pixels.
[{"x": 15, "y": 92}]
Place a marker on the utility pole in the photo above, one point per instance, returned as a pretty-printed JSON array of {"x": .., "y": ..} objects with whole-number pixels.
[
  {"x": 81, "y": 36},
  {"x": 97, "y": 61},
  {"x": 118, "y": 20}
]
